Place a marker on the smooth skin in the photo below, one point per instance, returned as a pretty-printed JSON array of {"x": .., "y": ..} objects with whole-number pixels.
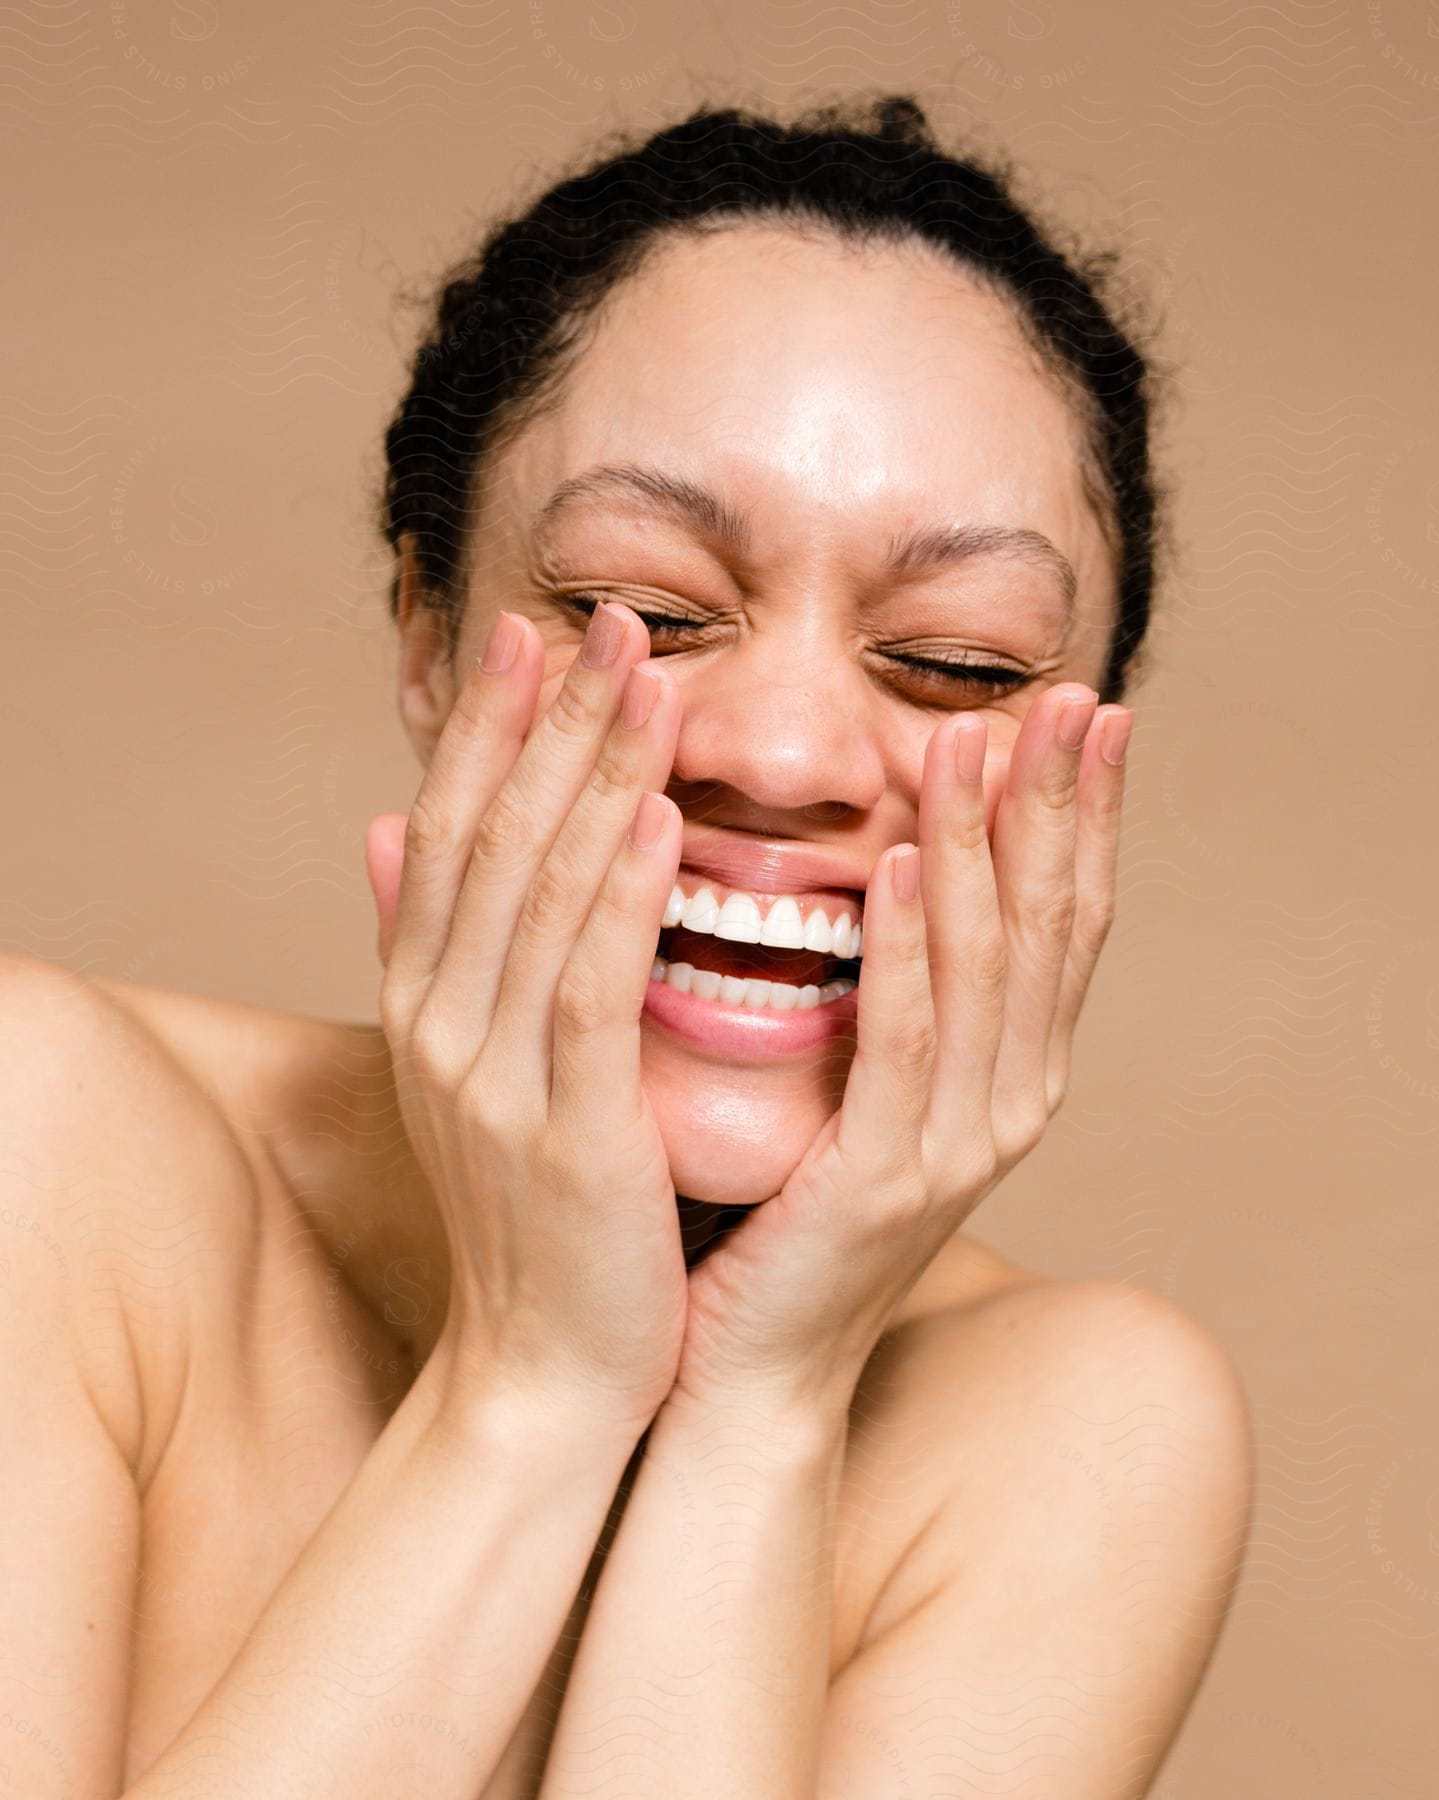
[{"x": 848, "y": 1507}]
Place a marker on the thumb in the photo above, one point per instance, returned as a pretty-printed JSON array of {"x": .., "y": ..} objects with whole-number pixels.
[{"x": 384, "y": 858}]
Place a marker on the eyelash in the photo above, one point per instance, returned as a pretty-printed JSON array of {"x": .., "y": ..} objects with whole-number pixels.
[{"x": 994, "y": 675}]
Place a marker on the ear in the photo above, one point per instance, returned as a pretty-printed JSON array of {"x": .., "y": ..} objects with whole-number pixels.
[{"x": 426, "y": 676}]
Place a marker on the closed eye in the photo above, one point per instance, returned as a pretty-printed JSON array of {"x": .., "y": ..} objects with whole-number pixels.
[
  {"x": 585, "y": 604},
  {"x": 995, "y": 675},
  {"x": 998, "y": 676}
]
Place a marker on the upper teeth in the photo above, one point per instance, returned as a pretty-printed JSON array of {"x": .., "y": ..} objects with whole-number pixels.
[{"x": 739, "y": 919}]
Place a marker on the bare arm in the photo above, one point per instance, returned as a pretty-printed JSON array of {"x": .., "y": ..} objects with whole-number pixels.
[
  {"x": 399, "y": 1652},
  {"x": 409, "y": 1633},
  {"x": 704, "y": 1664}
]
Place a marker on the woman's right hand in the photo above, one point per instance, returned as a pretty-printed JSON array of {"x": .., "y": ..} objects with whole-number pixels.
[{"x": 516, "y": 954}]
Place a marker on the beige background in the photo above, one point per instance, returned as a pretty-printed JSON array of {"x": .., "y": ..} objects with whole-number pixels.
[{"x": 212, "y": 205}]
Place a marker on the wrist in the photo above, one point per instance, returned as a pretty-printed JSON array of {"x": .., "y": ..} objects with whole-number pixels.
[
  {"x": 472, "y": 1408},
  {"x": 795, "y": 1423}
]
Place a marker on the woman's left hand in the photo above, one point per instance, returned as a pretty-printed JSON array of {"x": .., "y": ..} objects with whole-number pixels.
[{"x": 968, "y": 1000}]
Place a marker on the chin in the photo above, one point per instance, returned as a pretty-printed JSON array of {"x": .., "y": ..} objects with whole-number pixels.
[{"x": 734, "y": 1135}]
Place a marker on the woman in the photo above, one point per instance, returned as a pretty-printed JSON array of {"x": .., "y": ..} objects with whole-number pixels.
[{"x": 580, "y": 1383}]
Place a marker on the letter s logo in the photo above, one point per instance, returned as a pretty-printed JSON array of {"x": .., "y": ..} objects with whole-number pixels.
[
  {"x": 411, "y": 1301},
  {"x": 195, "y": 22},
  {"x": 199, "y": 525},
  {"x": 1028, "y": 23}
]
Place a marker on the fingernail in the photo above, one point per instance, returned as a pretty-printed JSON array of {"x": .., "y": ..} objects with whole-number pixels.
[
  {"x": 1074, "y": 717},
  {"x": 970, "y": 738},
  {"x": 642, "y": 689},
  {"x": 502, "y": 645},
  {"x": 1114, "y": 730},
  {"x": 904, "y": 873},
  {"x": 649, "y": 822},
  {"x": 602, "y": 640}
]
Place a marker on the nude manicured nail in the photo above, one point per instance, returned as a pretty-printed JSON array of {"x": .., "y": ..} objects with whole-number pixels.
[
  {"x": 603, "y": 639},
  {"x": 649, "y": 822},
  {"x": 502, "y": 645},
  {"x": 642, "y": 689},
  {"x": 1074, "y": 717},
  {"x": 1114, "y": 733},
  {"x": 904, "y": 873}
]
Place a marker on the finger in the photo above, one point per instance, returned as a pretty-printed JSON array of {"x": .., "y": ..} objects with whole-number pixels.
[
  {"x": 595, "y": 1043},
  {"x": 1034, "y": 847},
  {"x": 636, "y": 755},
  {"x": 1100, "y": 805},
  {"x": 522, "y": 818},
  {"x": 384, "y": 858},
  {"x": 878, "y": 1129},
  {"x": 967, "y": 952},
  {"x": 480, "y": 739}
]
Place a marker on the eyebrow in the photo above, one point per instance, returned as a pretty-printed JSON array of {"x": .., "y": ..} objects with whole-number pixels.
[{"x": 914, "y": 551}]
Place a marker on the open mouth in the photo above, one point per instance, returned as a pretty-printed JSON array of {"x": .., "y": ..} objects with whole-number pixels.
[{"x": 759, "y": 949}]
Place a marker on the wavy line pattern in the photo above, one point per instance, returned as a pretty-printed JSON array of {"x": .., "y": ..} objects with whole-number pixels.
[{"x": 218, "y": 210}]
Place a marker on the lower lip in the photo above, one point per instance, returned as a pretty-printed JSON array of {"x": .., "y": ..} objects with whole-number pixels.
[{"x": 753, "y": 1034}]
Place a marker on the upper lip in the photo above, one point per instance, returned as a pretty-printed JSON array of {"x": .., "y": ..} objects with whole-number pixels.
[{"x": 771, "y": 865}]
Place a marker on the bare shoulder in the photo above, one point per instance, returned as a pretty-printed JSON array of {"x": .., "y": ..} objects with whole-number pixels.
[
  {"x": 128, "y": 1194},
  {"x": 1042, "y": 1441},
  {"x": 1048, "y": 1490},
  {"x": 1070, "y": 1342}
]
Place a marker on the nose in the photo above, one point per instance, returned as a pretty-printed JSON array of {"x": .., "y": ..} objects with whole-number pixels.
[{"x": 791, "y": 735}]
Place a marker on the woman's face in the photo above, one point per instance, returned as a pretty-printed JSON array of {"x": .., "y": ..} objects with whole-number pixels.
[{"x": 851, "y": 412}]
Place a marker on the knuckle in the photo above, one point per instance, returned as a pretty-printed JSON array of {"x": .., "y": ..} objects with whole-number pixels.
[
  {"x": 896, "y": 1191},
  {"x": 1048, "y": 918},
  {"x": 571, "y": 711},
  {"x": 430, "y": 830},
  {"x": 1014, "y": 1140},
  {"x": 582, "y": 1006},
  {"x": 987, "y": 967},
  {"x": 1054, "y": 792},
  {"x": 488, "y": 1098},
  {"x": 901, "y": 1207},
  {"x": 503, "y": 834},
  {"x": 979, "y": 1167},
  {"x": 612, "y": 917},
  {"x": 909, "y": 1051},
  {"x": 549, "y": 901},
  {"x": 969, "y": 1166},
  {"x": 610, "y": 779},
  {"x": 908, "y": 955},
  {"x": 397, "y": 1008},
  {"x": 1092, "y": 922},
  {"x": 433, "y": 1055},
  {"x": 969, "y": 834},
  {"x": 980, "y": 1171}
]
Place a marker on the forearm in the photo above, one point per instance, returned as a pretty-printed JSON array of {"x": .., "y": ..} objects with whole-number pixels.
[
  {"x": 407, "y": 1637},
  {"x": 704, "y": 1663}
]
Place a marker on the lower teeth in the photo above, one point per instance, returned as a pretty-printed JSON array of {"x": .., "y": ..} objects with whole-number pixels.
[{"x": 733, "y": 990}]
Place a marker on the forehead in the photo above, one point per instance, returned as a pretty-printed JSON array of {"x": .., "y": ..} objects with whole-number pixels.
[{"x": 826, "y": 389}]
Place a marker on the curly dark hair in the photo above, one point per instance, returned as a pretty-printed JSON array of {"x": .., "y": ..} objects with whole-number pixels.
[{"x": 510, "y": 317}]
